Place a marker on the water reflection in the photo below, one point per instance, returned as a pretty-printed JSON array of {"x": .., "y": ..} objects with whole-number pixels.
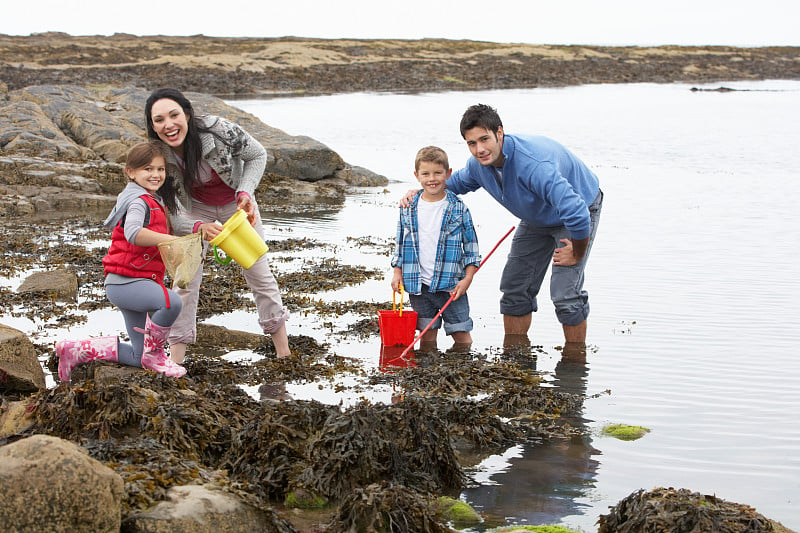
[
  {"x": 392, "y": 358},
  {"x": 543, "y": 483},
  {"x": 273, "y": 392}
]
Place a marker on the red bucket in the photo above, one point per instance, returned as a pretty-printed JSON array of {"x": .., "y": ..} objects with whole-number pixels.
[{"x": 397, "y": 326}]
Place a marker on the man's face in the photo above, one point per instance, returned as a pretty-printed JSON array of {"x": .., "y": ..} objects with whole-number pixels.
[{"x": 485, "y": 146}]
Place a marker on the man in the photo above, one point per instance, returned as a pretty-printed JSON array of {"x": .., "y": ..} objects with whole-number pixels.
[{"x": 558, "y": 200}]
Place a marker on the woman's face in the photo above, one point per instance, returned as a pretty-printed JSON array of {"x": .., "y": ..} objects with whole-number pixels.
[{"x": 170, "y": 123}]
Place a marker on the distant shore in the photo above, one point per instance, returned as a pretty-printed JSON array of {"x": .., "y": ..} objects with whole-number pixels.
[{"x": 260, "y": 66}]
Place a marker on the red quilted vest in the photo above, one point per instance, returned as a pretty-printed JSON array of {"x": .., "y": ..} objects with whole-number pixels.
[{"x": 138, "y": 261}]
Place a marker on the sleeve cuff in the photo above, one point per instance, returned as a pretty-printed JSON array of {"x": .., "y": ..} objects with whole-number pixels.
[{"x": 196, "y": 226}]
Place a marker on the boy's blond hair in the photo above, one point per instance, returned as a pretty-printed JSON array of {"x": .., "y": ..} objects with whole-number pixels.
[{"x": 431, "y": 154}]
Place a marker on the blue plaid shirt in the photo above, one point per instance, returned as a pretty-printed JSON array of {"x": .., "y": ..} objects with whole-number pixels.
[{"x": 457, "y": 248}]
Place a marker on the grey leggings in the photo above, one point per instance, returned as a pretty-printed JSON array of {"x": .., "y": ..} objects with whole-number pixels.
[{"x": 135, "y": 300}]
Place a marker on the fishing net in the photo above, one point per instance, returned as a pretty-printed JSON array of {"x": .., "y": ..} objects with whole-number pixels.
[{"x": 182, "y": 257}]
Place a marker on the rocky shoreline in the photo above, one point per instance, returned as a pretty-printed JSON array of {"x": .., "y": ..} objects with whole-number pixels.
[{"x": 253, "y": 66}]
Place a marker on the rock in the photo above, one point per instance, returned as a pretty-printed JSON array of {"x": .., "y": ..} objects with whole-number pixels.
[
  {"x": 107, "y": 373},
  {"x": 79, "y": 113},
  {"x": 20, "y": 369},
  {"x": 362, "y": 177},
  {"x": 46, "y": 129},
  {"x": 49, "y": 483},
  {"x": 15, "y": 418},
  {"x": 211, "y": 335},
  {"x": 199, "y": 509},
  {"x": 25, "y": 129},
  {"x": 62, "y": 284}
]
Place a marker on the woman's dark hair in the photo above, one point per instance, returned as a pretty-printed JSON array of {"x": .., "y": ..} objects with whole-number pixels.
[
  {"x": 192, "y": 149},
  {"x": 480, "y": 116}
]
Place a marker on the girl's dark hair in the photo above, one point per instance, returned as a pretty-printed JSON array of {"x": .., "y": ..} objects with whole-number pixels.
[
  {"x": 140, "y": 155},
  {"x": 480, "y": 116},
  {"x": 192, "y": 149}
]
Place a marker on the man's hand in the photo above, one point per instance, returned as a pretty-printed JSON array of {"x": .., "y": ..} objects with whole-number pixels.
[
  {"x": 571, "y": 253},
  {"x": 405, "y": 201}
]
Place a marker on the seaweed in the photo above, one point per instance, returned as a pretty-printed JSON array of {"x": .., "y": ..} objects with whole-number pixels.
[{"x": 669, "y": 509}]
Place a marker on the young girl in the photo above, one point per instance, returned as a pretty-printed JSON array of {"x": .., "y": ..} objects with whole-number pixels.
[{"x": 135, "y": 274}]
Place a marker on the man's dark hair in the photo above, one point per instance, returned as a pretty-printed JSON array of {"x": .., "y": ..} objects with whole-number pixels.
[{"x": 480, "y": 116}]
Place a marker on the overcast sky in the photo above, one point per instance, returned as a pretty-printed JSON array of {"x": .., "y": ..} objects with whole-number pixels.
[{"x": 610, "y": 22}]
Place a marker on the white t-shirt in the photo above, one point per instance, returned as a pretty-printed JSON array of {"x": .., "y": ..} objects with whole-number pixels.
[{"x": 429, "y": 221}]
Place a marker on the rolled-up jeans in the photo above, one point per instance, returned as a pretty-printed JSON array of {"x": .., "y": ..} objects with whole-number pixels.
[
  {"x": 271, "y": 312},
  {"x": 531, "y": 255}
]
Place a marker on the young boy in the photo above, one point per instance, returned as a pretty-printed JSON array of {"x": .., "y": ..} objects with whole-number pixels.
[{"x": 436, "y": 252}]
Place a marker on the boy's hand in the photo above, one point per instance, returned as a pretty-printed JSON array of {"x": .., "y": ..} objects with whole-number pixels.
[
  {"x": 397, "y": 280},
  {"x": 461, "y": 288},
  {"x": 405, "y": 201}
]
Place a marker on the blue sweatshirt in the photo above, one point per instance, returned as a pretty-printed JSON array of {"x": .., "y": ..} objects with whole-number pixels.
[{"x": 544, "y": 184}]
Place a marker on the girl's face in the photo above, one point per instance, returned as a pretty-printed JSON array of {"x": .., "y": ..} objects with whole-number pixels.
[
  {"x": 170, "y": 123},
  {"x": 151, "y": 176}
]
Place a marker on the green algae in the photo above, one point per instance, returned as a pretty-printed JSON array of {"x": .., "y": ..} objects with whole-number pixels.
[
  {"x": 625, "y": 432},
  {"x": 537, "y": 529},
  {"x": 461, "y": 514}
]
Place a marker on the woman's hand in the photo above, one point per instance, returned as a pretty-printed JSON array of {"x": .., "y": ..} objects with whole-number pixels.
[
  {"x": 210, "y": 230},
  {"x": 246, "y": 204}
]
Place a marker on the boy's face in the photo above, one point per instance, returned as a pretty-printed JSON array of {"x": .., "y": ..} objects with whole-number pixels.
[
  {"x": 432, "y": 177},
  {"x": 485, "y": 146}
]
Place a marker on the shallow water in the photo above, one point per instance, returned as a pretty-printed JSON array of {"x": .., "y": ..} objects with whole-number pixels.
[
  {"x": 693, "y": 284},
  {"x": 693, "y": 281}
]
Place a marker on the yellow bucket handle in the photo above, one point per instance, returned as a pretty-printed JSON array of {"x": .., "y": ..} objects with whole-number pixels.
[{"x": 394, "y": 304}]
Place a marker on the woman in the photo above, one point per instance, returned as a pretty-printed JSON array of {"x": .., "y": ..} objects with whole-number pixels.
[{"x": 216, "y": 167}]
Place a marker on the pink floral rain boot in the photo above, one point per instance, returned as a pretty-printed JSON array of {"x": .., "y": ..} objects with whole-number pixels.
[
  {"x": 73, "y": 353},
  {"x": 154, "y": 356}
]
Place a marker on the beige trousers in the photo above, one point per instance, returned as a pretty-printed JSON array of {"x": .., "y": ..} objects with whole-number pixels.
[{"x": 271, "y": 312}]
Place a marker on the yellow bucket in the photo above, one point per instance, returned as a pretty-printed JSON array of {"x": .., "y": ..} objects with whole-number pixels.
[{"x": 240, "y": 241}]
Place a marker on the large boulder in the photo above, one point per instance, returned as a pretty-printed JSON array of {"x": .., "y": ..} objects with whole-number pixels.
[
  {"x": 80, "y": 114},
  {"x": 25, "y": 129},
  {"x": 75, "y": 139},
  {"x": 19, "y": 367},
  {"x": 49, "y": 484}
]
